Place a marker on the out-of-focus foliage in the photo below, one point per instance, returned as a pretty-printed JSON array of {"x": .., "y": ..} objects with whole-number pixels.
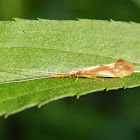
[
  {"x": 104, "y": 115},
  {"x": 122, "y": 10},
  {"x": 136, "y": 2}
]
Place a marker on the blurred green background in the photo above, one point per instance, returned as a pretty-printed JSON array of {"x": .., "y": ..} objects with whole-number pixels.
[{"x": 106, "y": 115}]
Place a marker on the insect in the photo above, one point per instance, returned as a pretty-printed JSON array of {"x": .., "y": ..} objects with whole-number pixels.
[{"x": 119, "y": 68}]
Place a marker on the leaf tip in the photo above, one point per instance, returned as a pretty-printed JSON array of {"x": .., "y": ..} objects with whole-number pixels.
[
  {"x": 107, "y": 89},
  {"x": 124, "y": 87},
  {"x": 111, "y": 20},
  {"x": 77, "y": 97},
  {"x": 78, "y": 19},
  {"x": 6, "y": 116},
  {"x": 39, "y": 106},
  {"x": 17, "y": 19},
  {"x": 39, "y": 19}
]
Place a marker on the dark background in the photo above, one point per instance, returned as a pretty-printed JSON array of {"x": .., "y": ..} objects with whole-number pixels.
[{"x": 107, "y": 115}]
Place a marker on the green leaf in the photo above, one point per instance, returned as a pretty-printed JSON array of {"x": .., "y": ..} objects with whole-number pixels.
[
  {"x": 32, "y": 50},
  {"x": 136, "y": 2}
]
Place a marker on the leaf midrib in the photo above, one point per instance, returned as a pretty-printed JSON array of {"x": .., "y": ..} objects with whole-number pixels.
[{"x": 61, "y": 50}]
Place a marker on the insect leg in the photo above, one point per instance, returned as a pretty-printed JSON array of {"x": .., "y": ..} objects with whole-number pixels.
[{"x": 76, "y": 78}]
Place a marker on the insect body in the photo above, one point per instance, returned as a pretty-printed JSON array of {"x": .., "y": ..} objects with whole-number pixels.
[{"x": 119, "y": 68}]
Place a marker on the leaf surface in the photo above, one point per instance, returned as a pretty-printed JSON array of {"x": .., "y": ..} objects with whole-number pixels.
[{"x": 32, "y": 50}]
